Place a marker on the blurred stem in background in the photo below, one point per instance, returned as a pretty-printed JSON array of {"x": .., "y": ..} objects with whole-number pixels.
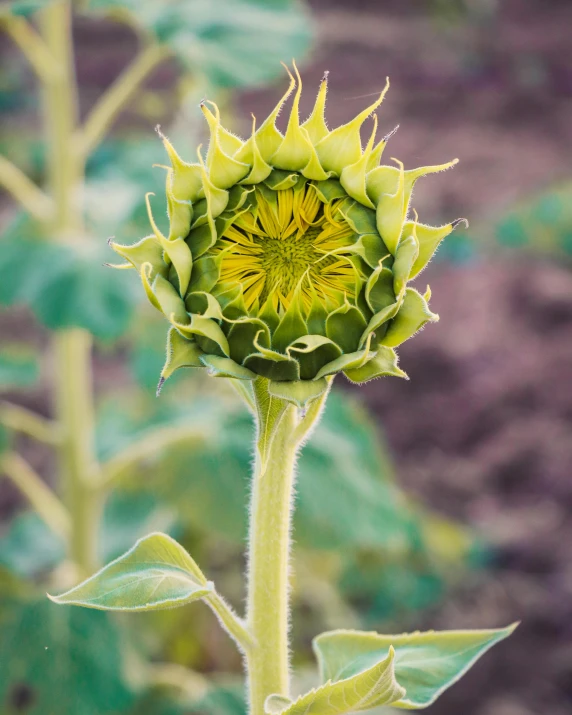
[
  {"x": 60, "y": 215},
  {"x": 73, "y": 389}
]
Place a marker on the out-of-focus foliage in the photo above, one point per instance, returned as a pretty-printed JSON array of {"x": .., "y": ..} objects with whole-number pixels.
[
  {"x": 22, "y": 8},
  {"x": 19, "y": 366},
  {"x": 64, "y": 285},
  {"x": 541, "y": 223},
  {"x": 231, "y": 42},
  {"x": 28, "y": 548},
  {"x": 120, "y": 173},
  {"x": 222, "y": 699},
  {"x": 59, "y": 661}
]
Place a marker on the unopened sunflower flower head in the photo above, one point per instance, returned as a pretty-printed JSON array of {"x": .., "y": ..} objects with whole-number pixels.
[{"x": 289, "y": 255}]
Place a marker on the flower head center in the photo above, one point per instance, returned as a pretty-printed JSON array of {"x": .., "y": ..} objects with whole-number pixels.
[
  {"x": 287, "y": 261},
  {"x": 288, "y": 241}
]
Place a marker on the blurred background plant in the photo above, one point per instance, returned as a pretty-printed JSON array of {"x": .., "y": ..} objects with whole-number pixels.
[{"x": 91, "y": 460}]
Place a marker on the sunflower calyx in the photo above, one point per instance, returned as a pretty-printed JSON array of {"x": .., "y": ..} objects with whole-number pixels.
[{"x": 289, "y": 255}]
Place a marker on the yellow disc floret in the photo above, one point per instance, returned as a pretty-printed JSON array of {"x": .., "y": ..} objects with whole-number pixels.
[{"x": 300, "y": 246}]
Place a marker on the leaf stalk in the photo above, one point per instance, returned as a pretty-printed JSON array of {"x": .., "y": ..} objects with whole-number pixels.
[
  {"x": 38, "y": 493},
  {"x": 24, "y": 190},
  {"x": 107, "y": 109},
  {"x": 32, "y": 46},
  {"x": 20, "y": 419}
]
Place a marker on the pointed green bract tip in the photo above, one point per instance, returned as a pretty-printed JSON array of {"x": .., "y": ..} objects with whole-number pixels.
[{"x": 289, "y": 256}]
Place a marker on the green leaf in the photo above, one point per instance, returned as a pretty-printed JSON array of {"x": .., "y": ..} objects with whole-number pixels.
[
  {"x": 60, "y": 661},
  {"x": 370, "y": 688},
  {"x": 426, "y": 664},
  {"x": 29, "y": 548},
  {"x": 405, "y": 256},
  {"x": 21, "y": 7},
  {"x": 65, "y": 286},
  {"x": 230, "y": 42},
  {"x": 344, "y": 362},
  {"x": 19, "y": 367},
  {"x": 313, "y": 352},
  {"x": 429, "y": 238},
  {"x": 130, "y": 515},
  {"x": 292, "y": 324},
  {"x": 227, "y": 699},
  {"x": 156, "y": 573}
]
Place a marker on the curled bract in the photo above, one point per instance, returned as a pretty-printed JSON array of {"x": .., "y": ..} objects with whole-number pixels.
[{"x": 289, "y": 255}]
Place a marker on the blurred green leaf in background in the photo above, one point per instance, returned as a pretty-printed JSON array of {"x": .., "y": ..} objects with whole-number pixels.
[
  {"x": 54, "y": 662},
  {"x": 19, "y": 366},
  {"x": 232, "y": 42}
]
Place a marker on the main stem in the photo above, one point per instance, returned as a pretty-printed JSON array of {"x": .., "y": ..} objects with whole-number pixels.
[
  {"x": 64, "y": 166},
  {"x": 71, "y": 347},
  {"x": 77, "y": 464},
  {"x": 269, "y": 550}
]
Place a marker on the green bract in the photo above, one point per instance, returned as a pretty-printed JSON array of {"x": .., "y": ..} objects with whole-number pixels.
[{"x": 289, "y": 256}]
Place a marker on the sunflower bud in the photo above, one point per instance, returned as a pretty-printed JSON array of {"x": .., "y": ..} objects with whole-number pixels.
[{"x": 289, "y": 255}]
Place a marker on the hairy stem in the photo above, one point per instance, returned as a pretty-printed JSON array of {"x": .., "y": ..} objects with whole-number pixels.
[{"x": 269, "y": 547}]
